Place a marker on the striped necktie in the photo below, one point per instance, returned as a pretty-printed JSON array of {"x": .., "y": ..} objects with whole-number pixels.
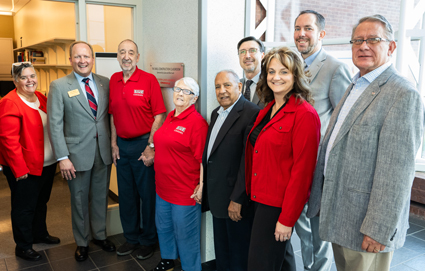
[
  {"x": 247, "y": 93},
  {"x": 90, "y": 97}
]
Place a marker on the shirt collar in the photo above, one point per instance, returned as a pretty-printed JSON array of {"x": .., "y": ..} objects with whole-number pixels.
[
  {"x": 134, "y": 77},
  {"x": 185, "y": 113},
  {"x": 80, "y": 78},
  {"x": 371, "y": 76},
  {"x": 222, "y": 110},
  {"x": 255, "y": 78},
  {"x": 309, "y": 60}
]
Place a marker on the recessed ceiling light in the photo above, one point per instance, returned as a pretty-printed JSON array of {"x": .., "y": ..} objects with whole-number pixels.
[{"x": 8, "y": 13}]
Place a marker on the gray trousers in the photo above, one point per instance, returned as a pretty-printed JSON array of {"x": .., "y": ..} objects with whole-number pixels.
[{"x": 89, "y": 201}]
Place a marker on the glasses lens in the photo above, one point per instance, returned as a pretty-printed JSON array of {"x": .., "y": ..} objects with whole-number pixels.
[
  {"x": 177, "y": 89},
  {"x": 242, "y": 52},
  {"x": 252, "y": 50}
]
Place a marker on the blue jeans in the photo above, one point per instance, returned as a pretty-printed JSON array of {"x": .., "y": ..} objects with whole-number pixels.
[
  {"x": 317, "y": 254},
  {"x": 135, "y": 182},
  {"x": 179, "y": 233}
]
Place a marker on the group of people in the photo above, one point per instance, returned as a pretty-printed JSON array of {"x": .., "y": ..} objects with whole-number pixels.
[{"x": 295, "y": 144}]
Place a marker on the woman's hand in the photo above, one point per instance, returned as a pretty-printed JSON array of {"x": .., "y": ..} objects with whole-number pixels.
[
  {"x": 197, "y": 194},
  {"x": 22, "y": 177},
  {"x": 282, "y": 233}
]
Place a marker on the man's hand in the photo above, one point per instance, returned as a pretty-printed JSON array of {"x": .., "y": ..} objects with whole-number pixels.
[
  {"x": 197, "y": 194},
  {"x": 115, "y": 153},
  {"x": 67, "y": 169},
  {"x": 371, "y": 245},
  {"x": 282, "y": 233},
  {"x": 147, "y": 156},
  {"x": 22, "y": 177},
  {"x": 235, "y": 211}
]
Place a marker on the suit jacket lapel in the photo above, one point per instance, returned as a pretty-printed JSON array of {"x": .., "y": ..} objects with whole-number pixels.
[
  {"x": 231, "y": 118},
  {"x": 316, "y": 65},
  {"x": 74, "y": 84},
  {"x": 369, "y": 94}
]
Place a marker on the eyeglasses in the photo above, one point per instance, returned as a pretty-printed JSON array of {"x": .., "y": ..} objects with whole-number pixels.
[
  {"x": 250, "y": 50},
  {"x": 18, "y": 64},
  {"x": 368, "y": 41},
  {"x": 185, "y": 91}
]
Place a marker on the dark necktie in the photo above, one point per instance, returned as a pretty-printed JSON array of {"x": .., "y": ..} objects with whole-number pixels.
[
  {"x": 90, "y": 97},
  {"x": 247, "y": 93}
]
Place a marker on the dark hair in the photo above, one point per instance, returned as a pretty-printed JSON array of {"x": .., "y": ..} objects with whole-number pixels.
[
  {"x": 320, "y": 20},
  {"x": 77, "y": 42},
  {"x": 137, "y": 47},
  {"x": 388, "y": 29},
  {"x": 260, "y": 43},
  {"x": 292, "y": 61},
  {"x": 17, "y": 70}
]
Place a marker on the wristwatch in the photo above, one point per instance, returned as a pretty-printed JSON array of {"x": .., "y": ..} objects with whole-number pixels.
[{"x": 151, "y": 145}]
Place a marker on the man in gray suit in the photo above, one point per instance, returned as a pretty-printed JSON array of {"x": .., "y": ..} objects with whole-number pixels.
[
  {"x": 366, "y": 165},
  {"x": 251, "y": 52},
  {"x": 329, "y": 78},
  {"x": 79, "y": 131}
]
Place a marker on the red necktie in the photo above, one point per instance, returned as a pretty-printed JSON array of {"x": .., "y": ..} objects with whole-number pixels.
[{"x": 90, "y": 97}]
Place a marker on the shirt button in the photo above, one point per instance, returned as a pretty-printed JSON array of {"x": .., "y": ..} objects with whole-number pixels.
[
  {"x": 254, "y": 197},
  {"x": 256, "y": 151},
  {"x": 280, "y": 128},
  {"x": 255, "y": 174},
  {"x": 264, "y": 129}
]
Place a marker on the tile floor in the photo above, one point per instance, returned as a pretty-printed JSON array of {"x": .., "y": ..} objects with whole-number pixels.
[{"x": 61, "y": 257}]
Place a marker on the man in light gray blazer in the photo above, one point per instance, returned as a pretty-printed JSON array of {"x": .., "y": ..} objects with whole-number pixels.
[
  {"x": 329, "y": 78},
  {"x": 79, "y": 131},
  {"x": 366, "y": 166},
  {"x": 251, "y": 52}
]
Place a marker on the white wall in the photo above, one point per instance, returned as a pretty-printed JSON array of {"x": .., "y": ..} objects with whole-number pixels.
[
  {"x": 170, "y": 34},
  {"x": 224, "y": 30}
]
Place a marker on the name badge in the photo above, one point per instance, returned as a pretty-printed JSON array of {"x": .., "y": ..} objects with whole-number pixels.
[
  {"x": 138, "y": 92},
  {"x": 73, "y": 93}
]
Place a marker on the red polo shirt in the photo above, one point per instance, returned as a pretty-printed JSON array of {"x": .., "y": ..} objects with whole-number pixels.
[
  {"x": 179, "y": 145},
  {"x": 134, "y": 103}
]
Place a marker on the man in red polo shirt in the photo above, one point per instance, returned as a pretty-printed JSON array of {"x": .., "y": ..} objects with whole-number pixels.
[{"x": 137, "y": 111}]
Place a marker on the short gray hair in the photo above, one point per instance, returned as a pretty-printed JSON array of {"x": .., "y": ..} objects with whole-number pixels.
[
  {"x": 231, "y": 72},
  {"x": 191, "y": 83},
  {"x": 388, "y": 29}
]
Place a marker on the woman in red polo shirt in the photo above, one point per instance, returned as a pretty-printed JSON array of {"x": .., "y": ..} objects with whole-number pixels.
[
  {"x": 27, "y": 159},
  {"x": 179, "y": 145},
  {"x": 280, "y": 156}
]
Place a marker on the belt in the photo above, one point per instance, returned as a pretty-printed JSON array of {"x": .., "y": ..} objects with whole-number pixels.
[{"x": 145, "y": 136}]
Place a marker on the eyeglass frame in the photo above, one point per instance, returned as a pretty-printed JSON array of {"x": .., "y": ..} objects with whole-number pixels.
[
  {"x": 251, "y": 51},
  {"x": 188, "y": 91},
  {"x": 377, "y": 39}
]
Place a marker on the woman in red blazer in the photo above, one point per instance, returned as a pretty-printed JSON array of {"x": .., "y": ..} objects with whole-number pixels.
[
  {"x": 27, "y": 159},
  {"x": 280, "y": 156}
]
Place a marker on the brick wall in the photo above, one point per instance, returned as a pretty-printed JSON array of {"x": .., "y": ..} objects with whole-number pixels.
[{"x": 340, "y": 15}]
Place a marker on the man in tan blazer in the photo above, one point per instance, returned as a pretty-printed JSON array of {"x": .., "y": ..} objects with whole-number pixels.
[{"x": 79, "y": 131}]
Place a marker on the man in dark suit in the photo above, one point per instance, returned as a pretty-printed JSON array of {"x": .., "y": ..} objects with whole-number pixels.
[
  {"x": 251, "y": 52},
  {"x": 79, "y": 131},
  {"x": 224, "y": 179}
]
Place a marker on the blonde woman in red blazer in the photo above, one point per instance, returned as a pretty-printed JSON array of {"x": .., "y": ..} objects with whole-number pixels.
[
  {"x": 280, "y": 157},
  {"x": 27, "y": 160}
]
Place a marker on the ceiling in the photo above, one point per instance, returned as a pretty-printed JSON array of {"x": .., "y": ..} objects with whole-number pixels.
[{"x": 6, "y": 5}]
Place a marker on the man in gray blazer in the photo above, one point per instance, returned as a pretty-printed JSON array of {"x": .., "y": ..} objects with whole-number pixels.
[
  {"x": 329, "y": 78},
  {"x": 366, "y": 165},
  {"x": 79, "y": 131},
  {"x": 251, "y": 52}
]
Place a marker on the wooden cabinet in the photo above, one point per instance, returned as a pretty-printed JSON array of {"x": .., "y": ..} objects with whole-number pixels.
[
  {"x": 6, "y": 58},
  {"x": 56, "y": 53}
]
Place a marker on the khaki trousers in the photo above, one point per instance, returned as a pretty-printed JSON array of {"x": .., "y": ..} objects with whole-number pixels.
[{"x": 351, "y": 260}]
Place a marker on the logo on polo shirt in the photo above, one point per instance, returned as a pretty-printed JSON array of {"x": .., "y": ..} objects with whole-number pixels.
[
  {"x": 138, "y": 92},
  {"x": 180, "y": 129}
]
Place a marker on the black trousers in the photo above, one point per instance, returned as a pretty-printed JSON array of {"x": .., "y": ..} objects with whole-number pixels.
[
  {"x": 29, "y": 205},
  {"x": 231, "y": 243},
  {"x": 265, "y": 253}
]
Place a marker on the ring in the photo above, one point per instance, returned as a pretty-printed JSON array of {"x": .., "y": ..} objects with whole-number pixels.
[
  {"x": 376, "y": 250},
  {"x": 285, "y": 238}
]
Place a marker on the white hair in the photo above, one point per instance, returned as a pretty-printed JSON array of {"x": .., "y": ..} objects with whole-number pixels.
[{"x": 191, "y": 83}]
